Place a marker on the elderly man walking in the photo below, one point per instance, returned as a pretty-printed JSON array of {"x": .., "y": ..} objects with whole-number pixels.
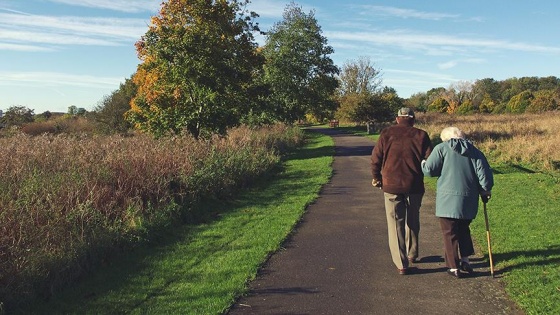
[{"x": 396, "y": 168}]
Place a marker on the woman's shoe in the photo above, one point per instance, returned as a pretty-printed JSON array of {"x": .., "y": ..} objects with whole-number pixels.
[
  {"x": 455, "y": 273},
  {"x": 465, "y": 266}
]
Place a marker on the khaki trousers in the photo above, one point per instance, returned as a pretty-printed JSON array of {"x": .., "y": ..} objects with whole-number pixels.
[{"x": 403, "y": 226}]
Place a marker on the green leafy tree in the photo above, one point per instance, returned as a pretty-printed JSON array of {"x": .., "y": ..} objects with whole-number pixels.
[
  {"x": 298, "y": 69},
  {"x": 439, "y": 105},
  {"x": 17, "y": 116},
  {"x": 544, "y": 100},
  {"x": 378, "y": 107},
  {"x": 72, "y": 110},
  {"x": 358, "y": 81},
  {"x": 417, "y": 101},
  {"x": 198, "y": 60},
  {"x": 487, "y": 104},
  {"x": 519, "y": 103},
  {"x": 110, "y": 112}
]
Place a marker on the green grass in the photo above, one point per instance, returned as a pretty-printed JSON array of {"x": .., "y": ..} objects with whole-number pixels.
[
  {"x": 203, "y": 268},
  {"x": 525, "y": 234}
]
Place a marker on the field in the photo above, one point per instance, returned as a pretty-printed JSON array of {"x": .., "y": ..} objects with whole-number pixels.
[
  {"x": 522, "y": 140},
  {"x": 522, "y": 211}
]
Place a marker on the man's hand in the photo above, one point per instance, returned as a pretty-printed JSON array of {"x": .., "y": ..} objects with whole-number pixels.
[
  {"x": 485, "y": 196},
  {"x": 376, "y": 183}
]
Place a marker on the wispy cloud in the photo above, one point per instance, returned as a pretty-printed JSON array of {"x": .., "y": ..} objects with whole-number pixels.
[
  {"x": 416, "y": 81},
  {"x": 20, "y": 31},
  {"x": 453, "y": 63},
  {"x": 131, "y": 6},
  {"x": 404, "y": 13},
  {"x": 28, "y": 48},
  {"x": 57, "y": 79},
  {"x": 409, "y": 39}
]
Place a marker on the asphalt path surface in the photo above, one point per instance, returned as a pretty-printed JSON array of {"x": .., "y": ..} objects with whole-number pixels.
[{"x": 337, "y": 261}]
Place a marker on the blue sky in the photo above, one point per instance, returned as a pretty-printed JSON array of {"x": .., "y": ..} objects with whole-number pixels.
[{"x": 59, "y": 53}]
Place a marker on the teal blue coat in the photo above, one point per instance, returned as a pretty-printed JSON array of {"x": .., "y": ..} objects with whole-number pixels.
[{"x": 463, "y": 173}]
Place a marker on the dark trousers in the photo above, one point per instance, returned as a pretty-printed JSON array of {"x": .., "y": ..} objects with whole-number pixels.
[{"x": 456, "y": 240}]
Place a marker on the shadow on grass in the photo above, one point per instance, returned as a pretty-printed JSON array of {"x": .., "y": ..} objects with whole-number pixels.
[
  {"x": 510, "y": 169},
  {"x": 542, "y": 257}
]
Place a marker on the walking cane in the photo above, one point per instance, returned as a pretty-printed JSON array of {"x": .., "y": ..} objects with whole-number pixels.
[{"x": 488, "y": 239}]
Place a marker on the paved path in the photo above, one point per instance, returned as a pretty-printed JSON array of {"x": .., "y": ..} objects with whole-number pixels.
[{"x": 338, "y": 262}]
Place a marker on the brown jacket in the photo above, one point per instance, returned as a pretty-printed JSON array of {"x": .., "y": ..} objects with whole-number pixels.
[{"x": 396, "y": 158}]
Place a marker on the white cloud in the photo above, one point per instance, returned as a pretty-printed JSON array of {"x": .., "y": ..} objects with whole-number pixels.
[
  {"x": 404, "y": 13},
  {"x": 22, "y": 48},
  {"x": 19, "y": 31},
  {"x": 56, "y": 79},
  {"x": 409, "y": 39},
  {"x": 448, "y": 65},
  {"x": 131, "y": 6}
]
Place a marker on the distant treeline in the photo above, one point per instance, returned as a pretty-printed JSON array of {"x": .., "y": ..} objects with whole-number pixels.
[{"x": 514, "y": 95}]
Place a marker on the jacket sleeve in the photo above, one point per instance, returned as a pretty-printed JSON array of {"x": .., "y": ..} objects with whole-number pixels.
[
  {"x": 377, "y": 160},
  {"x": 433, "y": 165},
  {"x": 427, "y": 146},
  {"x": 484, "y": 172}
]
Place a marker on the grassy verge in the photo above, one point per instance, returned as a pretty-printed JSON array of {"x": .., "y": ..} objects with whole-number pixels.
[{"x": 201, "y": 269}]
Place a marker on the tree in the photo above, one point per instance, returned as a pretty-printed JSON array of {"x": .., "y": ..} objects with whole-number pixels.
[
  {"x": 377, "y": 107},
  {"x": 110, "y": 112},
  {"x": 358, "y": 81},
  {"x": 439, "y": 105},
  {"x": 457, "y": 94},
  {"x": 417, "y": 101},
  {"x": 359, "y": 77},
  {"x": 298, "y": 69},
  {"x": 487, "y": 93},
  {"x": 198, "y": 58},
  {"x": 17, "y": 116},
  {"x": 544, "y": 100},
  {"x": 518, "y": 103}
]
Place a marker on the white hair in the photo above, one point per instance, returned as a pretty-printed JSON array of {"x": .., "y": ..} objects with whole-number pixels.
[{"x": 451, "y": 133}]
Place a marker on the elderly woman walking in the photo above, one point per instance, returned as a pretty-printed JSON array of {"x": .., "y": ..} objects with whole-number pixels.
[{"x": 464, "y": 174}]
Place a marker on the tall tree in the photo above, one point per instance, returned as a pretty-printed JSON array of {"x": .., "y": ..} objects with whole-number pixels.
[
  {"x": 359, "y": 81},
  {"x": 359, "y": 77},
  {"x": 198, "y": 57},
  {"x": 298, "y": 69},
  {"x": 109, "y": 113}
]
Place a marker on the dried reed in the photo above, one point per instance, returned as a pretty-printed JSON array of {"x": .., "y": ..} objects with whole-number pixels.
[
  {"x": 67, "y": 200},
  {"x": 526, "y": 139}
]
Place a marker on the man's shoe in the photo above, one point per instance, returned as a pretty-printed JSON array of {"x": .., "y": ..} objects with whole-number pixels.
[
  {"x": 455, "y": 273},
  {"x": 403, "y": 271},
  {"x": 412, "y": 260},
  {"x": 465, "y": 266}
]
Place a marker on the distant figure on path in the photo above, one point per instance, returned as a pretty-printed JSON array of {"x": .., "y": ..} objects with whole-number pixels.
[
  {"x": 464, "y": 174},
  {"x": 395, "y": 166}
]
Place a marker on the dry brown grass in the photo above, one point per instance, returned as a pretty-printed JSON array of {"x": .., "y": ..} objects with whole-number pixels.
[
  {"x": 66, "y": 199},
  {"x": 525, "y": 139}
]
